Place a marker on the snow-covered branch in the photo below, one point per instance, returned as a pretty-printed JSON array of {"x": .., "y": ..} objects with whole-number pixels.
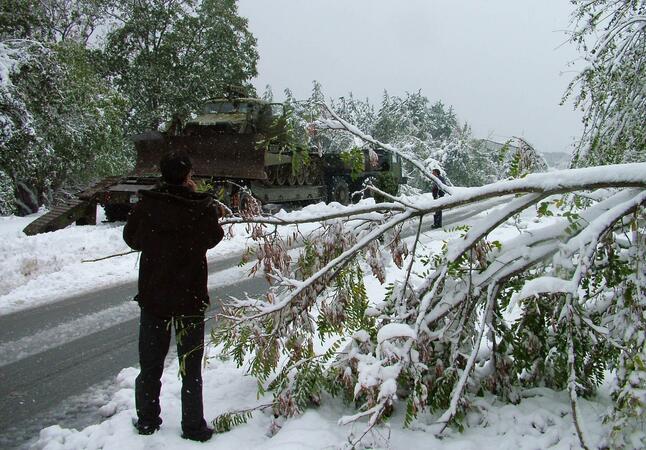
[{"x": 424, "y": 333}]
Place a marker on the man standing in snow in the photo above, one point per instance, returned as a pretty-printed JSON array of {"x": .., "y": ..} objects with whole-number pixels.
[
  {"x": 173, "y": 226},
  {"x": 437, "y": 193}
]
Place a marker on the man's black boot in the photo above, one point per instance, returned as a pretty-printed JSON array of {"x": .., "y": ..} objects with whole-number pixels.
[
  {"x": 201, "y": 434},
  {"x": 145, "y": 429}
]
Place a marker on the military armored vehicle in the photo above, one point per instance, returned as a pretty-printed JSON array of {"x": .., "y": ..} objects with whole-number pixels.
[{"x": 238, "y": 151}]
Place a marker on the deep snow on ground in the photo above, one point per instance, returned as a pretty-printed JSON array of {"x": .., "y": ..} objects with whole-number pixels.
[
  {"x": 41, "y": 269},
  {"x": 47, "y": 267},
  {"x": 541, "y": 420}
]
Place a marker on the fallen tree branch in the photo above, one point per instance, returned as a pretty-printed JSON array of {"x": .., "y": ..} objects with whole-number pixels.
[{"x": 448, "y": 415}]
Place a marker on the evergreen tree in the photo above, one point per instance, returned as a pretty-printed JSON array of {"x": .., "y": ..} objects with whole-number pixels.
[
  {"x": 431, "y": 133},
  {"x": 427, "y": 131},
  {"x": 466, "y": 161}
]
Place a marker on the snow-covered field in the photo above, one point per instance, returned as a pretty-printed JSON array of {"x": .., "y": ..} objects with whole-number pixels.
[{"x": 45, "y": 268}]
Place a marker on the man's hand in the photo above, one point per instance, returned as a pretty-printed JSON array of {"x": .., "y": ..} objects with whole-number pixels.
[{"x": 189, "y": 183}]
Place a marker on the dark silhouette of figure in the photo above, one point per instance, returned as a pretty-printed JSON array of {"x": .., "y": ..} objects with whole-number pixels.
[
  {"x": 437, "y": 193},
  {"x": 173, "y": 226}
]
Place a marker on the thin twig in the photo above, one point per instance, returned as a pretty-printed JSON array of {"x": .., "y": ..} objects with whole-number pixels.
[
  {"x": 412, "y": 260},
  {"x": 110, "y": 256}
]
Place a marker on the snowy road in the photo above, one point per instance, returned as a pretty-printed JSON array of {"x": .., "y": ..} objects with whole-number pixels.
[{"x": 58, "y": 351}]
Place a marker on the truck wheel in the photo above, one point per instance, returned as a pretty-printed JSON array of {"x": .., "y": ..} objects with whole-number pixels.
[
  {"x": 291, "y": 179},
  {"x": 301, "y": 175},
  {"x": 269, "y": 170},
  {"x": 282, "y": 174},
  {"x": 116, "y": 213},
  {"x": 340, "y": 190}
]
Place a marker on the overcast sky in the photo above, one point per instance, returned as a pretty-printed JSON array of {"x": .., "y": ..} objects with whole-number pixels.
[{"x": 502, "y": 64}]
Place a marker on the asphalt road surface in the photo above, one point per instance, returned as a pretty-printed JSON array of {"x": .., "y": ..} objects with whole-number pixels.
[{"x": 66, "y": 384}]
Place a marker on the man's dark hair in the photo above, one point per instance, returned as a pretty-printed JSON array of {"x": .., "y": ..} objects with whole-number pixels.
[{"x": 175, "y": 167}]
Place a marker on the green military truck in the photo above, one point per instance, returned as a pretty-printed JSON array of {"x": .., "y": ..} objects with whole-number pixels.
[{"x": 237, "y": 153}]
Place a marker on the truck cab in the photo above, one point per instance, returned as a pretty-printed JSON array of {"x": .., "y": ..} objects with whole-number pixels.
[{"x": 234, "y": 116}]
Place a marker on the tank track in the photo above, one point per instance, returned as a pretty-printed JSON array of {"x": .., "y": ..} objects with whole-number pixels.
[
  {"x": 284, "y": 175},
  {"x": 61, "y": 216}
]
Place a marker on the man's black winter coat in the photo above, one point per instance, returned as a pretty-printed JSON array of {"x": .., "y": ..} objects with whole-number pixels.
[{"x": 173, "y": 227}]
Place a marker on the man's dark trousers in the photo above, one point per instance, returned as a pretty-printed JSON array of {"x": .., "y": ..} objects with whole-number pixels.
[
  {"x": 437, "y": 218},
  {"x": 154, "y": 340}
]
